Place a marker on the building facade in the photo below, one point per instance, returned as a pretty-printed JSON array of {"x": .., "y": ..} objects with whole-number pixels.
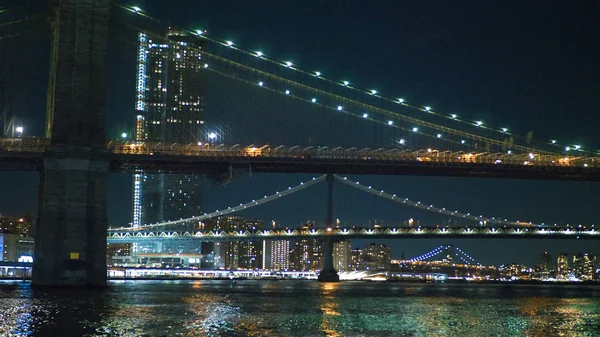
[
  {"x": 276, "y": 254},
  {"x": 377, "y": 257},
  {"x": 545, "y": 262},
  {"x": 562, "y": 266},
  {"x": 307, "y": 255},
  {"x": 584, "y": 266},
  {"x": 342, "y": 257},
  {"x": 169, "y": 108},
  {"x": 16, "y": 248},
  {"x": 17, "y": 225}
]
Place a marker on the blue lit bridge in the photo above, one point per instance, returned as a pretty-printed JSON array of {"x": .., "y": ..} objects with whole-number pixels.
[{"x": 239, "y": 111}]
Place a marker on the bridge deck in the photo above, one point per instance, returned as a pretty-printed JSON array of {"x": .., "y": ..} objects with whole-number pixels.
[
  {"x": 358, "y": 233},
  {"x": 27, "y": 154}
]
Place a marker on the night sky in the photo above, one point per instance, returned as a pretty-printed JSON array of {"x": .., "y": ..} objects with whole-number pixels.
[{"x": 527, "y": 65}]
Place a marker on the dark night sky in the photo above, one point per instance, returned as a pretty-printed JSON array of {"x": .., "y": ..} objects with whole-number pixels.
[{"x": 529, "y": 65}]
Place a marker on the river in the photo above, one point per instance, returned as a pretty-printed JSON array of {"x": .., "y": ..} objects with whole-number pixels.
[{"x": 299, "y": 308}]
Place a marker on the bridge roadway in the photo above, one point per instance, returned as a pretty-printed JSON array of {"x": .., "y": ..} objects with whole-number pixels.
[
  {"x": 359, "y": 233},
  {"x": 27, "y": 154}
]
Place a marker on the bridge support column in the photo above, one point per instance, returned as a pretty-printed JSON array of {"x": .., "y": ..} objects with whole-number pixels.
[
  {"x": 328, "y": 273},
  {"x": 70, "y": 242}
]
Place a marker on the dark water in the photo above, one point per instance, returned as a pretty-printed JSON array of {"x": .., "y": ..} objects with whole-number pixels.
[{"x": 299, "y": 308}]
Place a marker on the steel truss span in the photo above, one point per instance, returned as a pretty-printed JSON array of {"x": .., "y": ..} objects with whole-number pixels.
[
  {"x": 360, "y": 233},
  {"x": 27, "y": 154}
]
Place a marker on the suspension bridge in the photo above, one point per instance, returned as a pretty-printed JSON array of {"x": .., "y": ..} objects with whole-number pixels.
[
  {"x": 240, "y": 111},
  {"x": 481, "y": 226}
]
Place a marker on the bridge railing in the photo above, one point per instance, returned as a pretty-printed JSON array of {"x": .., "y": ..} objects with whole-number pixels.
[
  {"x": 379, "y": 154},
  {"x": 434, "y": 156},
  {"x": 29, "y": 144},
  {"x": 587, "y": 232}
]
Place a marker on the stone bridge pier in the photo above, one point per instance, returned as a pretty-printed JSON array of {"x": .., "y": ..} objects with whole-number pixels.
[{"x": 70, "y": 243}]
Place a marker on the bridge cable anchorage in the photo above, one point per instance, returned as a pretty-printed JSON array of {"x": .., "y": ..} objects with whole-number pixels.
[
  {"x": 229, "y": 210},
  {"x": 503, "y": 131},
  {"x": 431, "y": 208},
  {"x": 363, "y": 106}
]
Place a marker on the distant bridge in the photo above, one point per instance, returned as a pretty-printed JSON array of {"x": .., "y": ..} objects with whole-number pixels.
[{"x": 359, "y": 233}]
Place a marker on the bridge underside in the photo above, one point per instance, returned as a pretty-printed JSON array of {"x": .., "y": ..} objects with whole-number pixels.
[{"x": 203, "y": 165}]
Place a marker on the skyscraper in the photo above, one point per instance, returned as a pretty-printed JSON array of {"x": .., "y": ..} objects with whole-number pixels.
[
  {"x": 562, "y": 266},
  {"x": 169, "y": 108},
  {"x": 377, "y": 256},
  {"x": 276, "y": 254},
  {"x": 546, "y": 262},
  {"x": 584, "y": 266},
  {"x": 342, "y": 258},
  {"x": 251, "y": 252}
]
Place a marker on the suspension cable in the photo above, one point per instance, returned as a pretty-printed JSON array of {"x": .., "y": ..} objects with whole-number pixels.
[
  {"x": 229, "y": 210},
  {"x": 431, "y": 208},
  {"x": 339, "y": 98}
]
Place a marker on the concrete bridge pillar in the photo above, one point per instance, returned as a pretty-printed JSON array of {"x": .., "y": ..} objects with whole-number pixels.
[
  {"x": 328, "y": 273},
  {"x": 70, "y": 243}
]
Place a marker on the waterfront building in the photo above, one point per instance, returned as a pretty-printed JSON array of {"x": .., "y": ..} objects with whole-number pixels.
[
  {"x": 342, "y": 258},
  {"x": 562, "y": 266},
  {"x": 356, "y": 261},
  {"x": 584, "y": 266},
  {"x": 251, "y": 252},
  {"x": 545, "y": 262},
  {"x": 377, "y": 257},
  {"x": 16, "y": 248},
  {"x": 276, "y": 254},
  {"x": 307, "y": 255}
]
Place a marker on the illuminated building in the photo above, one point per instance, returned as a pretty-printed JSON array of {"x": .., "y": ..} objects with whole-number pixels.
[
  {"x": 342, "y": 258},
  {"x": 16, "y": 225},
  {"x": 356, "y": 259},
  {"x": 276, "y": 254},
  {"x": 168, "y": 108},
  {"x": 546, "y": 262},
  {"x": 307, "y": 254},
  {"x": 16, "y": 248},
  {"x": 584, "y": 266},
  {"x": 513, "y": 271},
  {"x": 221, "y": 255},
  {"x": 251, "y": 252},
  {"x": 377, "y": 256},
  {"x": 116, "y": 250},
  {"x": 562, "y": 266}
]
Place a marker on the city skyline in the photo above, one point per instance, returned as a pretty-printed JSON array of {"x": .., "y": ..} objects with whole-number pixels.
[{"x": 533, "y": 101}]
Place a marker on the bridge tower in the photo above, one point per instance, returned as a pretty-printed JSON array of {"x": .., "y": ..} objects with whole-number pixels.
[
  {"x": 328, "y": 273},
  {"x": 70, "y": 245}
]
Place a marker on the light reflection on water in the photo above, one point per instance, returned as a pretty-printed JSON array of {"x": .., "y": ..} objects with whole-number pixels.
[{"x": 298, "y": 308}]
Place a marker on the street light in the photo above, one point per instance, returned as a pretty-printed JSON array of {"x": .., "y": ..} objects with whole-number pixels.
[
  {"x": 19, "y": 130},
  {"x": 212, "y": 136},
  {"x": 124, "y": 135}
]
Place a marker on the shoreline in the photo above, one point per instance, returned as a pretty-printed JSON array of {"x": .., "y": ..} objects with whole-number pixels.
[{"x": 447, "y": 282}]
